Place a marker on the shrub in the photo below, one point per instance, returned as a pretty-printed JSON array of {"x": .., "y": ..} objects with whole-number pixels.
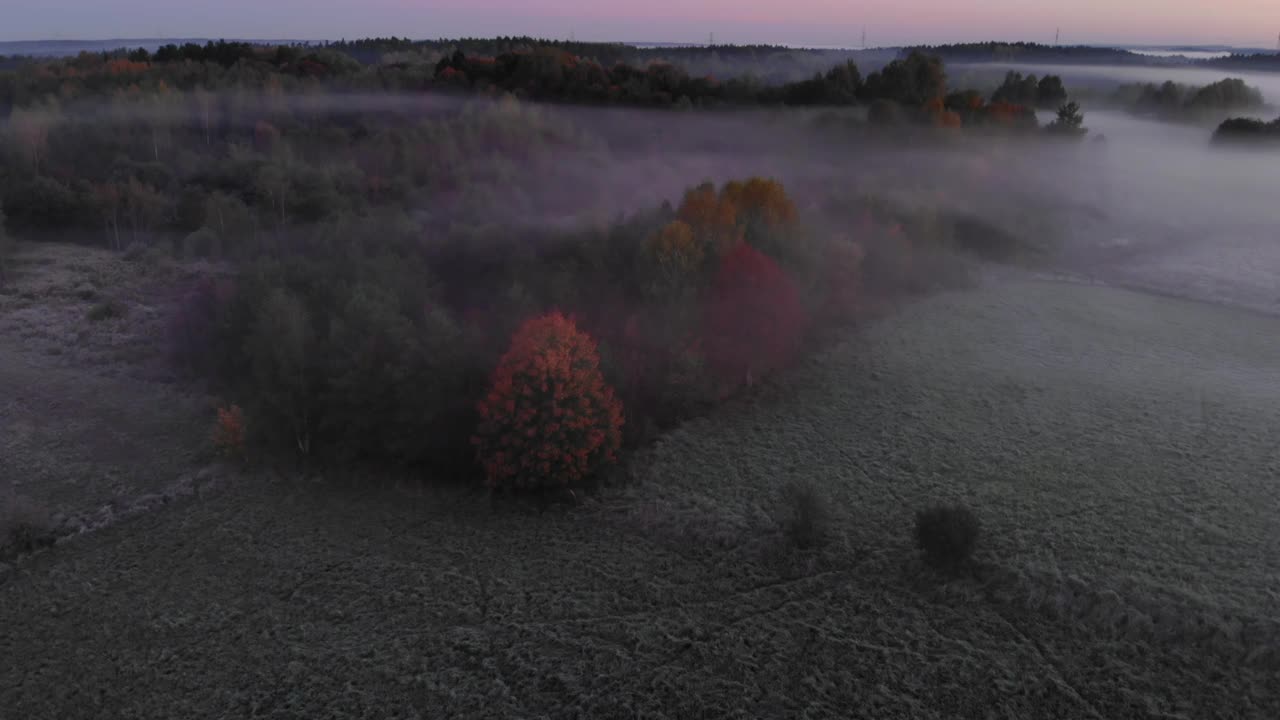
[
  {"x": 202, "y": 243},
  {"x": 947, "y": 534},
  {"x": 808, "y": 520},
  {"x": 548, "y": 419},
  {"x": 135, "y": 251},
  {"x": 107, "y": 310},
  {"x": 754, "y": 321},
  {"x": 24, "y": 527},
  {"x": 228, "y": 431}
]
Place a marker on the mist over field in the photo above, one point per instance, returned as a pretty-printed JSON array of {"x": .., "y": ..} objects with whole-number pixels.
[{"x": 503, "y": 377}]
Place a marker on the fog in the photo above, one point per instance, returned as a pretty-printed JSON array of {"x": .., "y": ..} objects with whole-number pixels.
[
  {"x": 1138, "y": 202},
  {"x": 1079, "y": 78},
  {"x": 1148, "y": 204}
]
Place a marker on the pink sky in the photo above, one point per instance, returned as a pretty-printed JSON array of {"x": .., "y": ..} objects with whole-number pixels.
[{"x": 815, "y": 22}]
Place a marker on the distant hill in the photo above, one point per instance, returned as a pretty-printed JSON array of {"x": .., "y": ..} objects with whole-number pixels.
[
  {"x": 1035, "y": 53},
  {"x": 372, "y": 50},
  {"x": 65, "y": 48}
]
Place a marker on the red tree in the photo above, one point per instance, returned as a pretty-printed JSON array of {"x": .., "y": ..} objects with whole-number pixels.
[
  {"x": 754, "y": 321},
  {"x": 549, "y": 418}
]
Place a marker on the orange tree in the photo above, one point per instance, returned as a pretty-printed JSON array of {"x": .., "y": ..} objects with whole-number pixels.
[
  {"x": 766, "y": 217},
  {"x": 712, "y": 217},
  {"x": 548, "y": 418}
]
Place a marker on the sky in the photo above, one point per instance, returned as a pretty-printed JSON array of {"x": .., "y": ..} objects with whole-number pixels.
[{"x": 1254, "y": 23}]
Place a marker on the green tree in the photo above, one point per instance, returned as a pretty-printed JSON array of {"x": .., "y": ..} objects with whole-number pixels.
[
  {"x": 912, "y": 81},
  {"x": 281, "y": 349},
  {"x": 1070, "y": 121},
  {"x": 393, "y": 385}
]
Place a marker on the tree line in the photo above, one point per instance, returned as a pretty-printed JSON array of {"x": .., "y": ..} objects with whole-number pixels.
[{"x": 1184, "y": 103}]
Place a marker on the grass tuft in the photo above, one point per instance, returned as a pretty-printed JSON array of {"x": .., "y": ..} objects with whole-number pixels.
[
  {"x": 947, "y": 534},
  {"x": 24, "y": 527},
  {"x": 107, "y": 310},
  {"x": 808, "y": 520}
]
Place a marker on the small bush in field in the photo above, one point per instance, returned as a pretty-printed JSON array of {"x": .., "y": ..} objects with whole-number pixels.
[
  {"x": 23, "y": 526},
  {"x": 107, "y": 310},
  {"x": 808, "y": 522},
  {"x": 229, "y": 431},
  {"x": 549, "y": 419},
  {"x": 947, "y": 534}
]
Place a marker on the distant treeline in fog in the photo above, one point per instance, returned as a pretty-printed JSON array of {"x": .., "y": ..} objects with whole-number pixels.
[
  {"x": 1036, "y": 53},
  {"x": 1184, "y": 103},
  {"x": 1248, "y": 130}
]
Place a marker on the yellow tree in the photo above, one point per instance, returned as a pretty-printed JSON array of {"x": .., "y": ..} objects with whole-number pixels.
[
  {"x": 762, "y": 200},
  {"x": 676, "y": 253},
  {"x": 712, "y": 217}
]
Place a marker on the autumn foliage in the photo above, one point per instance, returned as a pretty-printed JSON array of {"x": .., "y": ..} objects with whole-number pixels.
[
  {"x": 712, "y": 217},
  {"x": 548, "y": 418},
  {"x": 754, "y": 320},
  {"x": 756, "y": 210},
  {"x": 760, "y": 200},
  {"x": 675, "y": 252}
]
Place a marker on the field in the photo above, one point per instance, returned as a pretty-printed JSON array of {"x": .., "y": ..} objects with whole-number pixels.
[{"x": 1119, "y": 448}]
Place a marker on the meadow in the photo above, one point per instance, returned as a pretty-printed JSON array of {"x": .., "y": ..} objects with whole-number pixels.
[
  {"x": 268, "y": 319},
  {"x": 1118, "y": 447}
]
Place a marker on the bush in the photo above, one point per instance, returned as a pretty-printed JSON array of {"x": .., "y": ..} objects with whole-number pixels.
[
  {"x": 548, "y": 419},
  {"x": 947, "y": 534},
  {"x": 228, "y": 431},
  {"x": 23, "y": 526},
  {"x": 808, "y": 522},
  {"x": 107, "y": 310},
  {"x": 135, "y": 251}
]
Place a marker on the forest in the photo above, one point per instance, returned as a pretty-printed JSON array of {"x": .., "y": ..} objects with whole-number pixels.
[
  {"x": 354, "y": 210},
  {"x": 1172, "y": 102},
  {"x": 514, "y": 378},
  {"x": 1247, "y": 131}
]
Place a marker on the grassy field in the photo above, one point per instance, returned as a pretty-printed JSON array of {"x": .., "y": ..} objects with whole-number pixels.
[
  {"x": 88, "y": 423},
  {"x": 1120, "y": 450}
]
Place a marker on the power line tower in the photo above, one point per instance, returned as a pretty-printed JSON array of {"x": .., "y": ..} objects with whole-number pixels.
[
  {"x": 711, "y": 40},
  {"x": 864, "y": 38},
  {"x": 1057, "y": 35}
]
